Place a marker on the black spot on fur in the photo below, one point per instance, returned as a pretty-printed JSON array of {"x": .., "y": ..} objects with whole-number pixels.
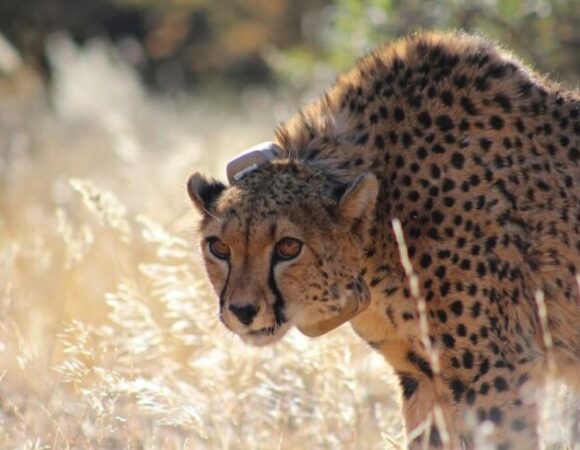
[
  {"x": 399, "y": 114},
  {"x": 495, "y": 415},
  {"x": 468, "y": 106},
  {"x": 500, "y": 384},
  {"x": 496, "y": 122},
  {"x": 421, "y": 363},
  {"x": 503, "y": 102},
  {"x": 444, "y": 123},
  {"x": 457, "y": 159},
  {"x": 425, "y": 119},
  {"x": 409, "y": 385},
  {"x": 457, "y": 387}
]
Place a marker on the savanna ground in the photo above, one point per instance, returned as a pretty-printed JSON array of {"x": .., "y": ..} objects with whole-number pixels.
[{"x": 109, "y": 336}]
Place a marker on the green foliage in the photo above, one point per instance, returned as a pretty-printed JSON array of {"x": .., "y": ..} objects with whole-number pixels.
[{"x": 543, "y": 33}]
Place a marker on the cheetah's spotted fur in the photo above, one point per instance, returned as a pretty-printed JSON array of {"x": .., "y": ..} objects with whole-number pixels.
[{"x": 479, "y": 159}]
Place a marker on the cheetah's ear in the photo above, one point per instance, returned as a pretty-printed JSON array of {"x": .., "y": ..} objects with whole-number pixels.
[
  {"x": 204, "y": 192},
  {"x": 360, "y": 197}
]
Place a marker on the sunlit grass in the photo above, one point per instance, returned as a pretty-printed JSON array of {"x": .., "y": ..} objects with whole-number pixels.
[{"x": 108, "y": 333}]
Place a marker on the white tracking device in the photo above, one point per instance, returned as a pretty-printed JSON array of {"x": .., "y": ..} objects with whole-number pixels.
[{"x": 251, "y": 159}]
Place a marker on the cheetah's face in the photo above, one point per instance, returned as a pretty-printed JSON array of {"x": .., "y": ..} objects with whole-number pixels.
[{"x": 283, "y": 247}]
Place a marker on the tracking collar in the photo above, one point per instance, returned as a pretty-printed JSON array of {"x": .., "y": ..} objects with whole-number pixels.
[{"x": 251, "y": 159}]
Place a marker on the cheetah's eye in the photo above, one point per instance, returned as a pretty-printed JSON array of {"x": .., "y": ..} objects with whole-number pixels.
[
  {"x": 219, "y": 249},
  {"x": 288, "y": 248}
]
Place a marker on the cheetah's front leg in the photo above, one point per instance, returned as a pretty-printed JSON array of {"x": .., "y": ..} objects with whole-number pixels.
[
  {"x": 428, "y": 415},
  {"x": 459, "y": 409}
]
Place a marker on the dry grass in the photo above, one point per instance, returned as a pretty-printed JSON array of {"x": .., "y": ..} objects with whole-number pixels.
[{"x": 108, "y": 335}]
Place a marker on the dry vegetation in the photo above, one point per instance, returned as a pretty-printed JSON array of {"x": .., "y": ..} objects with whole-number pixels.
[{"x": 108, "y": 335}]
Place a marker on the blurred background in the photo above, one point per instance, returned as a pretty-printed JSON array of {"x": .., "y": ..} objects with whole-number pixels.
[{"x": 108, "y": 331}]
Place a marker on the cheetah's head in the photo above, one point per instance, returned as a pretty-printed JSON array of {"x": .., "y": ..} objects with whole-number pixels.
[{"x": 284, "y": 247}]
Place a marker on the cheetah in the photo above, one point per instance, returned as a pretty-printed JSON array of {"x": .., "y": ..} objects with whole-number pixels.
[{"x": 431, "y": 198}]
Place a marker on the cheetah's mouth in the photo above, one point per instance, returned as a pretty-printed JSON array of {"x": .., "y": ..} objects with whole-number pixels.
[
  {"x": 266, "y": 331},
  {"x": 266, "y": 335}
]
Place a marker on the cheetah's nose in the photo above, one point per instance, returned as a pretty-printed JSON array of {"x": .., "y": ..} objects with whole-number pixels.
[{"x": 245, "y": 313}]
